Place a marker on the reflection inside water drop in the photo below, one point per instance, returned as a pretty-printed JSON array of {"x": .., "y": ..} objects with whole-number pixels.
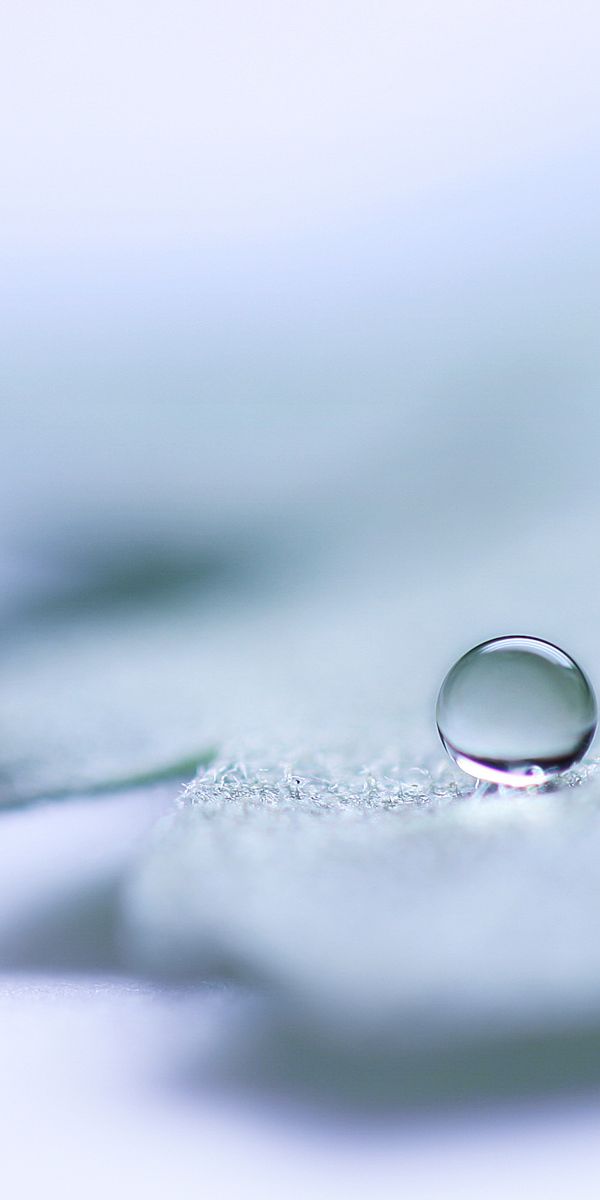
[{"x": 516, "y": 711}]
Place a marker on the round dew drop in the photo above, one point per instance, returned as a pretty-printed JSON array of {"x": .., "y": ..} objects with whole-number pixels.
[{"x": 516, "y": 711}]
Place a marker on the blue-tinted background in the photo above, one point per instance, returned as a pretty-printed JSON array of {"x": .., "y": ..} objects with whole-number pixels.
[
  {"x": 298, "y": 272},
  {"x": 298, "y": 324}
]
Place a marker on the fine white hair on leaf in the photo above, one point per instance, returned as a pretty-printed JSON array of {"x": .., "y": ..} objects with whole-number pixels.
[{"x": 373, "y": 895}]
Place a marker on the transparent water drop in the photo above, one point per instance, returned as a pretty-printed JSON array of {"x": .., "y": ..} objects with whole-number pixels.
[{"x": 516, "y": 711}]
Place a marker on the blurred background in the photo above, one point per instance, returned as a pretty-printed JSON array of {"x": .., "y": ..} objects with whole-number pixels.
[
  {"x": 299, "y": 349},
  {"x": 276, "y": 280}
]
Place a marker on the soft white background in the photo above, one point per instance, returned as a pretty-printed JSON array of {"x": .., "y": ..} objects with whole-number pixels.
[{"x": 317, "y": 284}]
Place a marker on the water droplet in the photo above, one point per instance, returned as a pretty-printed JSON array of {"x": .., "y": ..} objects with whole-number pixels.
[{"x": 516, "y": 711}]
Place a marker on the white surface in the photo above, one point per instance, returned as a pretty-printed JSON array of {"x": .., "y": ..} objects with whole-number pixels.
[
  {"x": 126, "y": 1081},
  {"x": 108, "y": 1084},
  {"x": 380, "y": 907}
]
